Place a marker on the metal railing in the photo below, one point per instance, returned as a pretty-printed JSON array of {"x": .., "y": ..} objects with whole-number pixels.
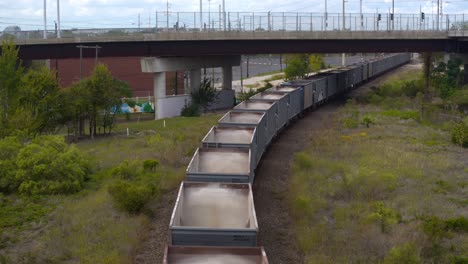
[{"x": 268, "y": 22}]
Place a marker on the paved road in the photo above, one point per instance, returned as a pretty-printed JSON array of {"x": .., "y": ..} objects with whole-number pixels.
[{"x": 260, "y": 64}]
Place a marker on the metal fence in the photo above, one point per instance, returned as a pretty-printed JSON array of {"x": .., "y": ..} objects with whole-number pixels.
[{"x": 269, "y": 21}]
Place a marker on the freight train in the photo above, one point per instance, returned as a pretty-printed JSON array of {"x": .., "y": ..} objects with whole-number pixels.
[{"x": 214, "y": 219}]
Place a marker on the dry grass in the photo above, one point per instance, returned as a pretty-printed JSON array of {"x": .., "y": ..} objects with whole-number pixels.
[
  {"x": 361, "y": 195},
  {"x": 85, "y": 227}
]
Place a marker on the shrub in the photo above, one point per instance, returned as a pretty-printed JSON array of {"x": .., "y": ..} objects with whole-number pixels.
[
  {"x": 130, "y": 197},
  {"x": 242, "y": 96},
  {"x": 350, "y": 123},
  {"x": 402, "y": 114},
  {"x": 190, "y": 110},
  {"x": 150, "y": 165},
  {"x": 9, "y": 148},
  {"x": 49, "y": 166},
  {"x": 127, "y": 170},
  {"x": 460, "y": 135},
  {"x": 406, "y": 253},
  {"x": 367, "y": 120}
]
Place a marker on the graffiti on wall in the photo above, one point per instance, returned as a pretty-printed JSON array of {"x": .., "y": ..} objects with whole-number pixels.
[{"x": 136, "y": 105}]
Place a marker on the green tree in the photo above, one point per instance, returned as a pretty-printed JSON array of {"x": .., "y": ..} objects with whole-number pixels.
[
  {"x": 10, "y": 76},
  {"x": 48, "y": 165},
  {"x": 93, "y": 99},
  {"x": 297, "y": 66},
  {"x": 316, "y": 62},
  {"x": 37, "y": 110}
]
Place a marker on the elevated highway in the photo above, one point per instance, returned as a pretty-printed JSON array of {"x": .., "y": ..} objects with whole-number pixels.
[{"x": 174, "y": 44}]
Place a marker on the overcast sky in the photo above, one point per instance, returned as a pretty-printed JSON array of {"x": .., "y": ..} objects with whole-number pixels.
[{"x": 28, "y": 14}]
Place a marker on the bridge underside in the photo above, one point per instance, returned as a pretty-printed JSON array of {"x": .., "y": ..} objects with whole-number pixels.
[{"x": 189, "y": 48}]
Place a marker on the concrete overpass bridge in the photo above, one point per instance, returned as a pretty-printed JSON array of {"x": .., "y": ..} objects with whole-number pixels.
[
  {"x": 234, "y": 33},
  {"x": 176, "y": 44},
  {"x": 183, "y": 45}
]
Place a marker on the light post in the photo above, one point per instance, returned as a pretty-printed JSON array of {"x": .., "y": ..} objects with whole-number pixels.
[
  {"x": 45, "y": 20},
  {"x": 326, "y": 15},
  {"x": 343, "y": 56},
  {"x": 209, "y": 14},
  {"x": 58, "y": 19}
]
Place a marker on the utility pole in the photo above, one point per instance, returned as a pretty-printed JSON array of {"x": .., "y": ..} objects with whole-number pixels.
[
  {"x": 438, "y": 13},
  {"x": 393, "y": 14},
  {"x": 45, "y": 20},
  {"x": 138, "y": 21},
  {"x": 343, "y": 56},
  {"x": 81, "y": 47},
  {"x": 58, "y": 19}
]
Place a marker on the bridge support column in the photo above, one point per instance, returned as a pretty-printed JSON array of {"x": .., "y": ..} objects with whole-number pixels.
[
  {"x": 168, "y": 106},
  {"x": 159, "y": 85},
  {"x": 465, "y": 78},
  {"x": 195, "y": 79},
  {"x": 227, "y": 77}
]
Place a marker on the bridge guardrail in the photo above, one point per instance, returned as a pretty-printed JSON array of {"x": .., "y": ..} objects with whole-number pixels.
[{"x": 196, "y": 22}]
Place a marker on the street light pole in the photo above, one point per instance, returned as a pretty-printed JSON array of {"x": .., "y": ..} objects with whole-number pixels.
[
  {"x": 360, "y": 14},
  {"x": 326, "y": 15},
  {"x": 438, "y": 13},
  {"x": 209, "y": 14},
  {"x": 58, "y": 19},
  {"x": 45, "y": 20},
  {"x": 201, "y": 15},
  {"x": 343, "y": 56}
]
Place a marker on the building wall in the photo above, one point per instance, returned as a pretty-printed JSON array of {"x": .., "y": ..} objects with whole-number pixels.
[{"x": 124, "y": 68}]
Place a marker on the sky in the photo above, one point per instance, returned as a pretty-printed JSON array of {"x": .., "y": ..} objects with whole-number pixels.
[{"x": 28, "y": 14}]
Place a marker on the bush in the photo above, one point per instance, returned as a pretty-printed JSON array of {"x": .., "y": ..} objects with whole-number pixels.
[
  {"x": 350, "y": 123},
  {"x": 190, "y": 110},
  {"x": 150, "y": 165},
  {"x": 127, "y": 170},
  {"x": 406, "y": 253},
  {"x": 9, "y": 148},
  {"x": 49, "y": 166},
  {"x": 460, "y": 135},
  {"x": 130, "y": 197},
  {"x": 402, "y": 114},
  {"x": 367, "y": 120}
]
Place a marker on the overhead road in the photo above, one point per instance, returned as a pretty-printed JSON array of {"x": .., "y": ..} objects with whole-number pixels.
[{"x": 175, "y": 44}]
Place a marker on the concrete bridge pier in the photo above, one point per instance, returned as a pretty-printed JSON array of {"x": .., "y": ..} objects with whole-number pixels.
[{"x": 168, "y": 106}]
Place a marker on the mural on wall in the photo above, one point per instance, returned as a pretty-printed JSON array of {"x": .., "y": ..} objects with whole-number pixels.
[{"x": 135, "y": 105}]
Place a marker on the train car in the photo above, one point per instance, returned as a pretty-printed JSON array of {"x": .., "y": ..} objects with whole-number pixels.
[
  {"x": 214, "y": 214},
  {"x": 331, "y": 83},
  {"x": 271, "y": 114},
  {"x": 233, "y": 137},
  {"x": 250, "y": 119},
  {"x": 204, "y": 255},
  {"x": 341, "y": 79},
  {"x": 221, "y": 165},
  {"x": 295, "y": 99},
  {"x": 307, "y": 87},
  {"x": 281, "y": 100}
]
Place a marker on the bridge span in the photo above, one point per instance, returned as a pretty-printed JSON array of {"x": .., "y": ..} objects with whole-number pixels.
[{"x": 185, "y": 43}]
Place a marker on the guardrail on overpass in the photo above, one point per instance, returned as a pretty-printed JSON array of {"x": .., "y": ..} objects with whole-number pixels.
[{"x": 195, "y": 22}]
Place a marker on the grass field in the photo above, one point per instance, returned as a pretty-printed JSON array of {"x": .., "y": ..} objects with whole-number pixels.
[
  {"x": 86, "y": 227},
  {"x": 390, "y": 193}
]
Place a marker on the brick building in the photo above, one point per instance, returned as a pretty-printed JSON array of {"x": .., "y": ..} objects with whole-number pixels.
[{"x": 127, "y": 69}]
